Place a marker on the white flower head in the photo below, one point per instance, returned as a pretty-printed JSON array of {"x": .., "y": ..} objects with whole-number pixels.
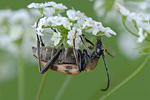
[
  {"x": 122, "y": 9},
  {"x": 71, "y": 35},
  {"x": 56, "y": 38},
  {"x": 142, "y": 22},
  {"x": 67, "y": 25},
  {"x": 4, "y": 15},
  {"x": 48, "y": 11},
  {"x": 20, "y": 17},
  {"x": 108, "y": 31},
  {"x": 72, "y": 15},
  {"x": 51, "y": 3},
  {"x": 58, "y": 20},
  {"x": 142, "y": 35},
  {"x": 59, "y": 6},
  {"x": 15, "y": 32},
  {"x": 36, "y": 5},
  {"x": 39, "y": 25},
  {"x": 74, "y": 23},
  {"x": 95, "y": 26}
]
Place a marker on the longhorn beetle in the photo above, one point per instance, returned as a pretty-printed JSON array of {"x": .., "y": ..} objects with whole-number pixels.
[{"x": 69, "y": 60}]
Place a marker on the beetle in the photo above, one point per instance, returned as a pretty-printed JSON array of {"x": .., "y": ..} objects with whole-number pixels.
[{"x": 69, "y": 60}]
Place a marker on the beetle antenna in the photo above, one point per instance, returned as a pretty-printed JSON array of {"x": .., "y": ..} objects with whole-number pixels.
[{"x": 103, "y": 55}]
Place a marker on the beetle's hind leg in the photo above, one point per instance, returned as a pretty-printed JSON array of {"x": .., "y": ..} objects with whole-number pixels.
[{"x": 50, "y": 62}]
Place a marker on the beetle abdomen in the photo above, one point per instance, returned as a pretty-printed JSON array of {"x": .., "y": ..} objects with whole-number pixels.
[
  {"x": 66, "y": 69},
  {"x": 65, "y": 63}
]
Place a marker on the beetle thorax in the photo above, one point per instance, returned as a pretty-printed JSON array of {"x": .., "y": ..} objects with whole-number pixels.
[{"x": 90, "y": 64}]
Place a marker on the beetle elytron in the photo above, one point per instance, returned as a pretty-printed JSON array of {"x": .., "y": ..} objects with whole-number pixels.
[{"x": 69, "y": 60}]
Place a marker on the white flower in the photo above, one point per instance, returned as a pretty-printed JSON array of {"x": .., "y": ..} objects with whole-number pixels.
[
  {"x": 108, "y": 32},
  {"x": 57, "y": 20},
  {"x": 122, "y": 9},
  {"x": 59, "y": 6},
  {"x": 16, "y": 32},
  {"x": 67, "y": 25},
  {"x": 142, "y": 22},
  {"x": 88, "y": 22},
  {"x": 56, "y": 38},
  {"x": 132, "y": 16},
  {"x": 20, "y": 16},
  {"x": 39, "y": 26},
  {"x": 71, "y": 35},
  {"x": 95, "y": 27},
  {"x": 36, "y": 5},
  {"x": 142, "y": 35},
  {"x": 48, "y": 11},
  {"x": 5, "y": 15},
  {"x": 51, "y": 3},
  {"x": 72, "y": 15}
]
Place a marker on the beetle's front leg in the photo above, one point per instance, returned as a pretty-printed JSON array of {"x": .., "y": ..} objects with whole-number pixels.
[
  {"x": 38, "y": 51},
  {"x": 50, "y": 62},
  {"x": 42, "y": 44}
]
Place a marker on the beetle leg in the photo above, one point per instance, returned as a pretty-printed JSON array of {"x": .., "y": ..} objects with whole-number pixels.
[
  {"x": 80, "y": 61},
  {"x": 38, "y": 50},
  {"x": 87, "y": 40},
  {"x": 50, "y": 62},
  {"x": 42, "y": 44},
  {"x": 86, "y": 47},
  {"x": 74, "y": 50},
  {"x": 38, "y": 45},
  {"x": 76, "y": 54}
]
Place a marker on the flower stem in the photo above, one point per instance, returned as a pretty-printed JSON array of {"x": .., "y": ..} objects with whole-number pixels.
[
  {"x": 62, "y": 88},
  {"x": 139, "y": 69},
  {"x": 41, "y": 86},
  {"x": 20, "y": 76},
  {"x": 123, "y": 21}
]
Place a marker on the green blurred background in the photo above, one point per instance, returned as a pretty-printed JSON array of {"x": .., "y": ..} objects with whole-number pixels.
[{"x": 85, "y": 86}]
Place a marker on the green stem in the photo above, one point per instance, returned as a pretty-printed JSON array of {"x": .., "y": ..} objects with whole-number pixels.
[
  {"x": 20, "y": 76},
  {"x": 123, "y": 21},
  {"x": 62, "y": 88},
  {"x": 139, "y": 69},
  {"x": 41, "y": 86}
]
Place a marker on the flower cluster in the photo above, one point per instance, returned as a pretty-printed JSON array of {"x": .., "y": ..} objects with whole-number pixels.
[
  {"x": 15, "y": 36},
  {"x": 65, "y": 27},
  {"x": 140, "y": 20},
  {"x": 16, "y": 29}
]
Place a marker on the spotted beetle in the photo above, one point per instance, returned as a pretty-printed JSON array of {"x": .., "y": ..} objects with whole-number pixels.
[{"x": 69, "y": 60}]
